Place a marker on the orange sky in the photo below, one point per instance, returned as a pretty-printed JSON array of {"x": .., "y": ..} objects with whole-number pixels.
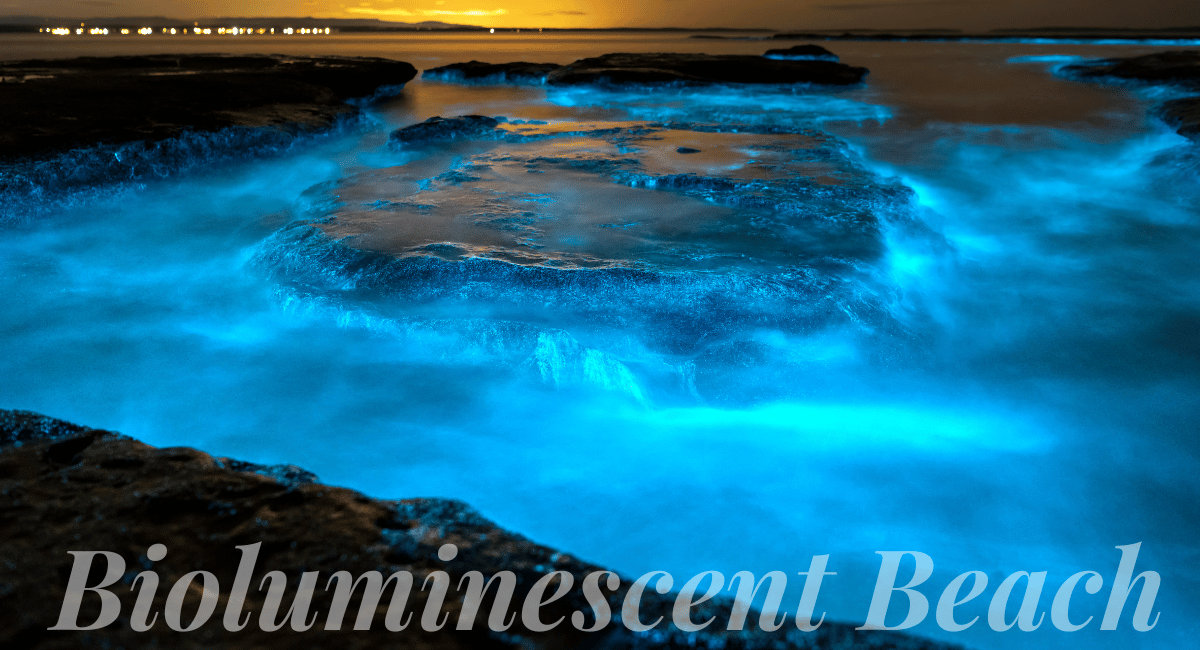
[{"x": 771, "y": 14}]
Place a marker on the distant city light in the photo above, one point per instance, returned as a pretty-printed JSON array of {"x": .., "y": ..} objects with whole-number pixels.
[{"x": 147, "y": 31}]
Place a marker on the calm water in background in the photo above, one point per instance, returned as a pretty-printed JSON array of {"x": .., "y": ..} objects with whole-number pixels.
[{"x": 1056, "y": 419}]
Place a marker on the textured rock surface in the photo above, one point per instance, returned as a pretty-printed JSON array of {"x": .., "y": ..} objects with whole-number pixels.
[
  {"x": 63, "y": 104},
  {"x": 65, "y": 487},
  {"x": 1179, "y": 68},
  {"x": 517, "y": 72},
  {"x": 597, "y": 253},
  {"x": 74, "y": 130},
  {"x": 444, "y": 129},
  {"x": 1184, "y": 115},
  {"x": 802, "y": 53},
  {"x": 666, "y": 68}
]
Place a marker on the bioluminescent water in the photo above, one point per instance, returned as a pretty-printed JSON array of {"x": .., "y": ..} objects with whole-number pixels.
[{"x": 954, "y": 310}]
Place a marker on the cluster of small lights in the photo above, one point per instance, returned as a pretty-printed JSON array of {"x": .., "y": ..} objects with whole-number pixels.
[{"x": 146, "y": 31}]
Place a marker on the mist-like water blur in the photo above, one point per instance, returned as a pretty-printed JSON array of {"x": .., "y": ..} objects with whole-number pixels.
[{"x": 1053, "y": 418}]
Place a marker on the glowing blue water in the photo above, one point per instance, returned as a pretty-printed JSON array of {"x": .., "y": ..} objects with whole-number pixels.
[{"x": 1051, "y": 417}]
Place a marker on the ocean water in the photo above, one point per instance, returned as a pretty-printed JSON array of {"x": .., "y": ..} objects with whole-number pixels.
[{"x": 976, "y": 333}]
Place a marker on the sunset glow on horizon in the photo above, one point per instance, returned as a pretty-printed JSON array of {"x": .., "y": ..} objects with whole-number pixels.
[{"x": 765, "y": 14}]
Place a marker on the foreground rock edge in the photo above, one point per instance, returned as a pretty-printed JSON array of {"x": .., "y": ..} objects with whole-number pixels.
[{"x": 65, "y": 487}]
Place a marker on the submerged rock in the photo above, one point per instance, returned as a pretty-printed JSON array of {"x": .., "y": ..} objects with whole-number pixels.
[
  {"x": 518, "y": 72},
  {"x": 68, "y": 488},
  {"x": 444, "y": 129},
  {"x": 1179, "y": 68},
  {"x": 692, "y": 69},
  {"x": 646, "y": 243},
  {"x": 802, "y": 53}
]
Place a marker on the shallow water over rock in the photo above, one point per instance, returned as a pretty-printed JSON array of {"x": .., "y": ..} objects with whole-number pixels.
[{"x": 755, "y": 231}]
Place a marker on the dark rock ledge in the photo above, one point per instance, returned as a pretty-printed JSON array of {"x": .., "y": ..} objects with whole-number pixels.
[
  {"x": 807, "y": 65},
  {"x": 56, "y": 105},
  {"x": 1179, "y": 68},
  {"x": 64, "y": 487},
  {"x": 439, "y": 129},
  {"x": 692, "y": 69},
  {"x": 74, "y": 128}
]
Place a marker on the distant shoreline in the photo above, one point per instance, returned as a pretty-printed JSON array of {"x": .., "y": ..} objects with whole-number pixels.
[{"x": 28, "y": 24}]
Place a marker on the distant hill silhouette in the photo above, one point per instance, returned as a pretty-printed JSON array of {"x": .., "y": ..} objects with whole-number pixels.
[{"x": 162, "y": 21}]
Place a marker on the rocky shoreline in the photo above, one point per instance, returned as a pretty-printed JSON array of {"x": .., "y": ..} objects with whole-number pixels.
[
  {"x": 65, "y": 487},
  {"x": 1178, "y": 68},
  {"x": 51, "y": 106},
  {"x": 73, "y": 128}
]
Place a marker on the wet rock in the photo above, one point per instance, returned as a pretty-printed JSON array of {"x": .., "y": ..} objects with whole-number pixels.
[
  {"x": 698, "y": 69},
  {"x": 602, "y": 253},
  {"x": 19, "y": 427},
  {"x": 802, "y": 53},
  {"x": 1179, "y": 68},
  {"x": 69, "y": 103},
  {"x": 116, "y": 494},
  {"x": 1184, "y": 116},
  {"x": 285, "y": 474},
  {"x": 444, "y": 129},
  {"x": 73, "y": 130},
  {"x": 518, "y": 72}
]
